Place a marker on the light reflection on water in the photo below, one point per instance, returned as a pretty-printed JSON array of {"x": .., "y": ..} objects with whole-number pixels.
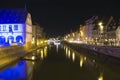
[
  {"x": 42, "y": 55},
  {"x": 57, "y": 47},
  {"x": 23, "y": 69},
  {"x": 19, "y": 71},
  {"x": 100, "y": 77},
  {"x": 69, "y": 53},
  {"x": 92, "y": 64},
  {"x": 64, "y": 62},
  {"x": 73, "y": 56},
  {"x": 81, "y": 61}
]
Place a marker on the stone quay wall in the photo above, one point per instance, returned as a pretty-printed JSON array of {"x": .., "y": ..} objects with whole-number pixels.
[{"x": 101, "y": 50}]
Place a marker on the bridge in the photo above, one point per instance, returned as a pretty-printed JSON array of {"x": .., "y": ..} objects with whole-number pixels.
[{"x": 53, "y": 42}]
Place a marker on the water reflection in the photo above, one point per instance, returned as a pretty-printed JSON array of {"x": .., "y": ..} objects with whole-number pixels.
[
  {"x": 42, "y": 55},
  {"x": 45, "y": 51},
  {"x": 29, "y": 69},
  {"x": 69, "y": 54},
  {"x": 50, "y": 46},
  {"x": 57, "y": 47},
  {"x": 69, "y": 64},
  {"x": 91, "y": 64},
  {"x": 81, "y": 61},
  {"x": 23, "y": 69},
  {"x": 73, "y": 56},
  {"x": 66, "y": 49},
  {"x": 20, "y": 71},
  {"x": 100, "y": 77}
]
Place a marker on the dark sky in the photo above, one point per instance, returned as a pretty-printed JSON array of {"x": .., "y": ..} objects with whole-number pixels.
[{"x": 58, "y": 17}]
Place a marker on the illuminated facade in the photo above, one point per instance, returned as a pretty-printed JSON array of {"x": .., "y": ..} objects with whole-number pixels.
[
  {"x": 28, "y": 30},
  {"x": 12, "y": 33},
  {"x": 82, "y": 33},
  {"x": 38, "y": 34},
  {"x": 15, "y": 27},
  {"x": 118, "y": 35},
  {"x": 89, "y": 28}
]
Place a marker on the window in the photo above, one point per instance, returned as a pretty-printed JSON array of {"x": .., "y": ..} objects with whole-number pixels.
[
  {"x": 114, "y": 27},
  {"x": 0, "y": 28},
  {"x": 15, "y": 27},
  {"x": 10, "y": 28},
  {"x": 4, "y": 27}
]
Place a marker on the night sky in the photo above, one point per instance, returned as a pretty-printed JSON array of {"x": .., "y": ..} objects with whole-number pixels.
[{"x": 59, "y": 17}]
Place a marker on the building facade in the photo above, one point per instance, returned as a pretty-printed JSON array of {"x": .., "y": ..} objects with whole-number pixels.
[
  {"x": 15, "y": 27},
  {"x": 38, "y": 35}
]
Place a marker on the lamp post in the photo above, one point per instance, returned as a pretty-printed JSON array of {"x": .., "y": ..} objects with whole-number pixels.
[{"x": 101, "y": 29}]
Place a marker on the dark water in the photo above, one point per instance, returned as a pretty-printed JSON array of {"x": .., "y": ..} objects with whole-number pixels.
[{"x": 60, "y": 63}]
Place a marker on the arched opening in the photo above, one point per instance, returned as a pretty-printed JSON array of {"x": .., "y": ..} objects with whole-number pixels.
[
  {"x": 10, "y": 39},
  {"x": 2, "y": 40},
  {"x": 19, "y": 40}
]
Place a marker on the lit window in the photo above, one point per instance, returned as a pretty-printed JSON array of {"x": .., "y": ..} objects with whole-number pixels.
[
  {"x": 10, "y": 25},
  {"x": 0, "y": 28},
  {"x": 10, "y": 28},
  {"x": 15, "y": 27},
  {"x": 4, "y": 27}
]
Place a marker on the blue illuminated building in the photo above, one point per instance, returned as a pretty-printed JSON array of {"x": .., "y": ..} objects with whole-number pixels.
[{"x": 12, "y": 26}]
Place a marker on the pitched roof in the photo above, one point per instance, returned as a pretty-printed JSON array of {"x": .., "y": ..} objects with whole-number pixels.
[{"x": 13, "y": 16}]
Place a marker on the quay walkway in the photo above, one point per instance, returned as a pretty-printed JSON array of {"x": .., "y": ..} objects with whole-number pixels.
[{"x": 14, "y": 53}]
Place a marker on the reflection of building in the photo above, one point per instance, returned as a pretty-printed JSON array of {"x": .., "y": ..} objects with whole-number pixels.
[
  {"x": 16, "y": 72},
  {"x": 15, "y": 27}
]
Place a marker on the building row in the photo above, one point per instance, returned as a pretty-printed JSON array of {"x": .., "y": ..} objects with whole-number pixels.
[{"x": 98, "y": 30}]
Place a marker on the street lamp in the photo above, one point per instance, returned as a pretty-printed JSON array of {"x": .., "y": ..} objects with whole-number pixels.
[
  {"x": 73, "y": 34},
  {"x": 101, "y": 29}
]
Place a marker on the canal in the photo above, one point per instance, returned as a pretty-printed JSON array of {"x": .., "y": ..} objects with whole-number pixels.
[{"x": 60, "y": 63}]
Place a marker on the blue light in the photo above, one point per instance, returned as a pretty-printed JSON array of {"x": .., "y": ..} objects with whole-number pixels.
[
  {"x": 12, "y": 26},
  {"x": 57, "y": 42},
  {"x": 13, "y": 16},
  {"x": 12, "y": 33},
  {"x": 18, "y": 72}
]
